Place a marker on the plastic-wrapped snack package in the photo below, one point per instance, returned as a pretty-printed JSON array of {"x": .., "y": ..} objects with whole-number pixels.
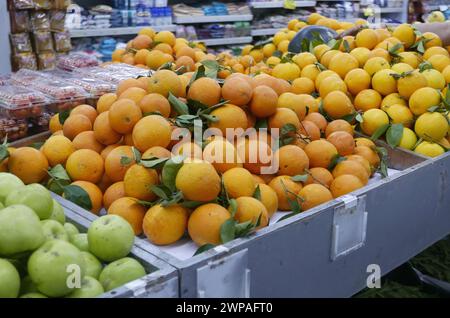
[
  {"x": 62, "y": 41},
  {"x": 20, "y": 21},
  {"x": 12, "y": 129},
  {"x": 42, "y": 4},
  {"x": 24, "y": 61},
  {"x": 20, "y": 43},
  {"x": 46, "y": 61},
  {"x": 40, "y": 123},
  {"x": 21, "y": 102},
  {"x": 21, "y": 4},
  {"x": 126, "y": 68},
  {"x": 57, "y": 20},
  {"x": 42, "y": 41},
  {"x": 40, "y": 21},
  {"x": 4, "y": 79},
  {"x": 75, "y": 61}
]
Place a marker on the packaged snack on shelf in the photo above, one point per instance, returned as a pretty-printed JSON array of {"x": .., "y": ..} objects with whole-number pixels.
[
  {"x": 42, "y": 4},
  {"x": 24, "y": 61},
  {"x": 21, "y": 4},
  {"x": 21, "y": 102},
  {"x": 104, "y": 74},
  {"x": 12, "y": 129},
  {"x": 40, "y": 21},
  {"x": 126, "y": 68},
  {"x": 20, "y": 21},
  {"x": 76, "y": 61},
  {"x": 62, "y": 41},
  {"x": 42, "y": 41},
  {"x": 46, "y": 61},
  {"x": 21, "y": 43},
  {"x": 57, "y": 20}
]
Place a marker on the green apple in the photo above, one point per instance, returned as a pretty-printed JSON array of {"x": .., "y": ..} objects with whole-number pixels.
[
  {"x": 90, "y": 288},
  {"x": 1, "y": 206},
  {"x": 53, "y": 230},
  {"x": 110, "y": 237},
  {"x": 93, "y": 265},
  {"x": 120, "y": 272},
  {"x": 58, "y": 213},
  {"x": 8, "y": 183},
  {"x": 20, "y": 230},
  {"x": 55, "y": 266},
  {"x": 70, "y": 229},
  {"x": 33, "y": 295},
  {"x": 35, "y": 196},
  {"x": 27, "y": 286},
  {"x": 9, "y": 280},
  {"x": 80, "y": 240}
]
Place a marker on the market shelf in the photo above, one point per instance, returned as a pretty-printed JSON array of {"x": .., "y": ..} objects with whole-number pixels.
[
  {"x": 212, "y": 18},
  {"x": 117, "y": 31},
  {"x": 261, "y": 32},
  {"x": 387, "y": 10},
  {"x": 280, "y": 4},
  {"x": 227, "y": 41}
]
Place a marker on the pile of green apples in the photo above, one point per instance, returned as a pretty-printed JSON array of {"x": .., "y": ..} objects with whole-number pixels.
[{"x": 41, "y": 255}]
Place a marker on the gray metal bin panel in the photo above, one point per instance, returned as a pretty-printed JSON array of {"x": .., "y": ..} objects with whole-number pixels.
[{"x": 162, "y": 280}]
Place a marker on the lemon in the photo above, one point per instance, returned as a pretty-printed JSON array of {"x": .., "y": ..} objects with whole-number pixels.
[
  {"x": 400, "y": 114},
  {"x": 409, "y": 58},
  {"x": 375, "y": 64},
  {"x": 372, "y": 120},
  {"x": 361, "y": 54},
  {"x": 410, "y": 83},
  {"x": 405, "y": 33},
  {"x": 439, "y": 61},
  {"x": 422, "y": 99},
  {"x": 283, "y": 46},
  {"x": 358, "y": 80},
  {"x": 320, "y": 50},
  {"x": 431, "y": 126},
  {"x": 246, "y": 49},
  {"x": 401, "y": 67},
  {"x": 392, "y": 99},
  {"x": 343, "y": 63},
  {"x": 304, "y": 59},
  {"x": 436, "y": 16},
  {"x": 292, "y": 24},
  {"x": 446, "y": 74},
  {"x": 408, "y": 140},
  {"x": 429, "y": 149},
  {"x": 278, "y": 37},
  {"x": 384, "y": 83},
  {"x": 287, "y": 71},
  {"x": 367, "y": 38},
  {"x": 435, "y": 79},
  {"x": 433, "y": 51},
  {"x": 273, "y": 60},
  {"x": 269, "y": 49}
]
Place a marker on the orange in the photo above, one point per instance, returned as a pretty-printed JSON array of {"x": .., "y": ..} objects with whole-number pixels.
[
  {"x": 76, "y": 124},
  {"x": 294, "y": 102},
  {"x": 29, "y": 164},
  {"x": 222, "y": 155},
  {"x": 229, "y": 117},
  {"x": 165, "y": 37},
  {"x": 86, "y": 110},
  {"x": 267, "y": 80},
  {"x": 309, "y": 130},
  {"x": 250, "y": 209},
  {"x": 130, "y": 210},
  {"x": 105, "y": 152},
  {"x": 104, "y": 183},
  {"x": 282, "y": 117},
  {"x": 165, "y": 225},
  {"x": 105, "y": 102},
  {"x": 134, "y": 93},
  {"x": 237, "y": 91},
  {"x": 150, "y": 131},
  {"x": 85, "y": 165},
  {"x": 141, "y": 56},
  {"x": 238, "y": 182},
  {"x": 318, "y": 119},
  {"x": 292, "y": 160},
  {"x": 164, "y": 48},
  {"x": 320, "y": 153},
  {"x": 87, "y": 140},
  {"x": 314, "y": 195},
  {"x": 303, "y": 85},
  {"x": 343, "y": 141},
  {"x": 205, "y": 223},
  {"x": 103, "y": 131},
  {"x": 153, "y": 103},
  {"x": 367, "y": 99},
  {"x": 164, "y": 82},
  {"x": 147, "y": 31},
  {"x": 256, "y": 154},
  {"x": 142, "y": 41},
  {"x": 117, "y": 55},
  {"x": 186, "y": 51},
  {"x": 138, "y": 182},
  {"x": 344, "y": 184},
  {"x": 337, "y": 105},
  {"x": 126, "y": 84},
  {"x": 264, "y": 101},
  {"x": 363, "y": 161},
  {"x": 57, "y": 149},
  {"x": 118, "y": 161},
  {"x": 285, "y": 188},
  {"x": 269, "y": 198},
  {"x": 114, "y": 192},
  {"x": 54, "y": 124},
  {"x": 185, "y": 64},
  {"x": 357, "y": 80},
  {"x": 157, "y": 151},
  {"x": 369, "y": 154},
  {"x": 94, "y": 193},
  {"x": 352, "y": 167},
  {"x": 331, "y": 84},
  {"x": 319, "y": 175},
  {"x": 123, "y": 115},
  {"x": 338, "y": 125},
  {"x": 343, "y": 63},
  {"x": 367, "y": 38},
  {"x": 205, "y": 90}
]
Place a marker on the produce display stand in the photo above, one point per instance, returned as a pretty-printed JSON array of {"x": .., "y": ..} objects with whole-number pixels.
[
  {"x": 326, "y": 251},
  {"x": 162, "y": 280}
]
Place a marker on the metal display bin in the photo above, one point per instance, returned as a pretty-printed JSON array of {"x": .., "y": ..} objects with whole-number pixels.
[
  {"x": 332, "y": 250},
  {"x": 162, "y": 280}
]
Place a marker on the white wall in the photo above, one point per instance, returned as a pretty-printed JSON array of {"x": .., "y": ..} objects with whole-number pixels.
[{"x": 5, "y": 58}]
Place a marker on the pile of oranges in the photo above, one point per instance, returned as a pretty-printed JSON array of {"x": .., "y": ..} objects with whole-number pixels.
[{"x": 123, "y": 154}]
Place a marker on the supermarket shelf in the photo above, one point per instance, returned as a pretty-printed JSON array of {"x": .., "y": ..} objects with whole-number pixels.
[
  {"x": 436, "y": 7},
  {"x": 389, "y": 10},
  {"x": 212, "y": 18},
  {"x": 227, "y": 41},
  {"x": 117, "y": 31},
  {"x": 261, "y": 32},
  {"x": 280, "y": 4}
]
